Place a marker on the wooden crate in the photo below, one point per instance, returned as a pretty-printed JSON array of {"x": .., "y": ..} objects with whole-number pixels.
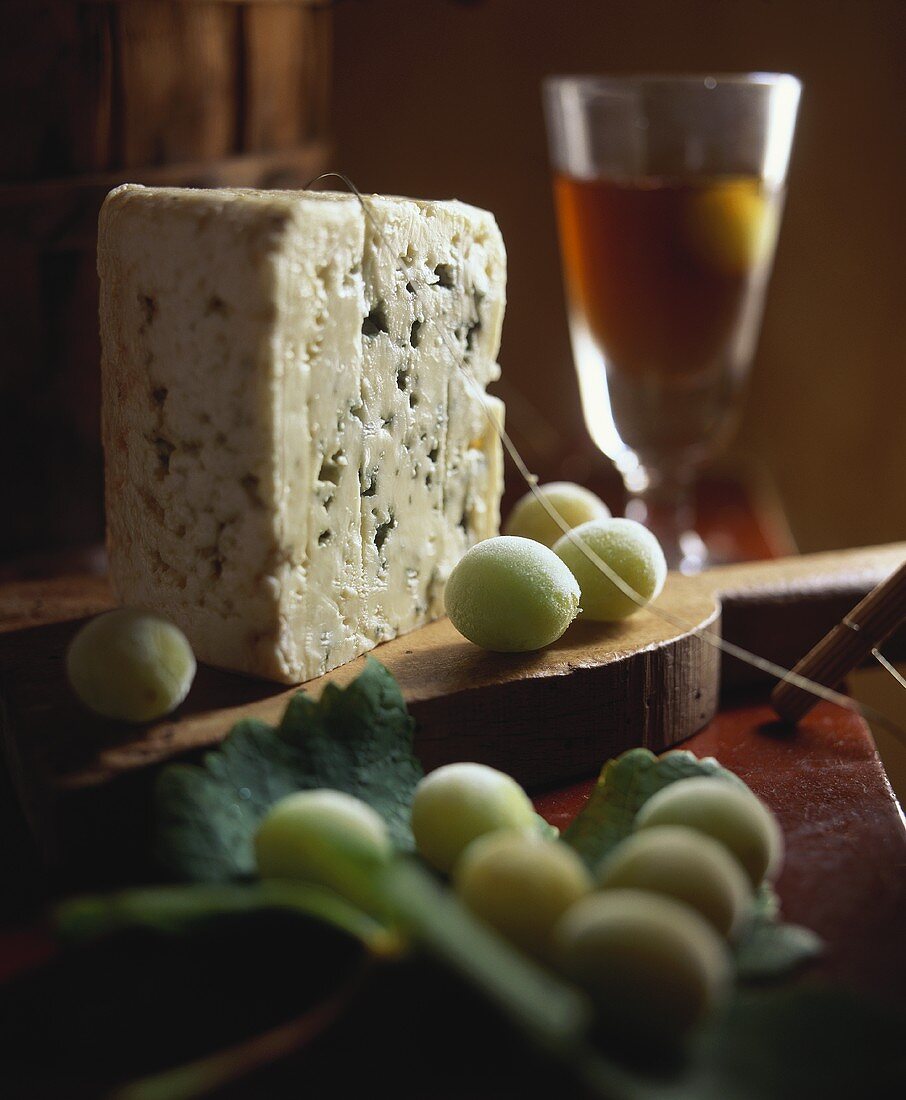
[{"x": 95, "y": 93}]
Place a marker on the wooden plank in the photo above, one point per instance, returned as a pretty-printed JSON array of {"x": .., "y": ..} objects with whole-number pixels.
[
  {"x": 287, "y": 55},
  {"x": 149, "y": 79},
  {"x": 238, "y": 3},
  {"x": 551, "y": 715},
  {"x": 545, "y": 717},
  {"x": 178, "y": 82},
  {"x": 643, "y": 680},
  {"x": 63, "y": 213},
  {"x": 36, "y": 40},
  {"x": 274, "y": 41},
  {"x": 90, "y": 107}
]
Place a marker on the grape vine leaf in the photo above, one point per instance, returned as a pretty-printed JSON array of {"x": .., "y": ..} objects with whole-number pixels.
[
  {"x": 769, "y": 948},
  {"x": 356, "y": 739},
  {"x": 626, "y": 782}
]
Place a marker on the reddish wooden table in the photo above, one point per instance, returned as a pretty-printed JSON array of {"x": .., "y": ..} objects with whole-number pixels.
[
  {"x": 845, "y": 874},
  {"x": 845, "y": 870}
]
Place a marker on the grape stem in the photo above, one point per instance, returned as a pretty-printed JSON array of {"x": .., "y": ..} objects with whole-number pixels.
[{"x": 551, "y": 1014}]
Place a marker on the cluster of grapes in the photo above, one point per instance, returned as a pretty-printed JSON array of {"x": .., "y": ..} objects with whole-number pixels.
[
  {"x": 646, "y": 933},
  {"x": 521, "y": 590}
]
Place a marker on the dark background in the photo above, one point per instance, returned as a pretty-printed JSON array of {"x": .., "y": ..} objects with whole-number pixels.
[
  {"x": 440, "y": 100},
  {"x": 437, "y": 98}
]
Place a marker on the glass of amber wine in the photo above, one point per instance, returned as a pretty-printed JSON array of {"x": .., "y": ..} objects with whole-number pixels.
[{"x": 669, "y": 192}]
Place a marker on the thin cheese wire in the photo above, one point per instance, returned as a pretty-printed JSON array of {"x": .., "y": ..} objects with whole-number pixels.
[
  {"x": 885, "y": 664},
  {"x": 712, "y": 638}
]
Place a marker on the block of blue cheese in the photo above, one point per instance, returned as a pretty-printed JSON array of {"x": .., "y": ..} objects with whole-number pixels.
[{"x": 298, "y": 447}]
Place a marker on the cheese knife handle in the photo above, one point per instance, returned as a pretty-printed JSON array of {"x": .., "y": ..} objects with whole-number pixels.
[{"x": 846, "y": 646}]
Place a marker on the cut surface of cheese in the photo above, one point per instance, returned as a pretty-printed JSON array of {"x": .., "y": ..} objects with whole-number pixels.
[{"x": 298, "y": 445}]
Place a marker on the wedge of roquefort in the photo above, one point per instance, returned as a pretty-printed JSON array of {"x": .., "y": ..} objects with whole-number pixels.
[{"x": 295, "y": 454}]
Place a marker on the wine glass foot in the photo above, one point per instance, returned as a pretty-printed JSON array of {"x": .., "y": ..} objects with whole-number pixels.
[
  {"x": 683, "y": 547},
  {"x": 693, "y": 553}
]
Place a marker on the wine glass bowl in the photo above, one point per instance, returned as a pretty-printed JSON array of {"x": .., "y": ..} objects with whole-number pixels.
[{"x": 669, "y": 192}]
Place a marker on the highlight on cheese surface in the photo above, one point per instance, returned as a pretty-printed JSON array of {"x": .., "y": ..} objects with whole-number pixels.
[
  {"x": 731, "y": 814},
  {"x": 294, "y": 457},
  {"x": 131, "y": 665},
  {"x": 457, "y": 803},
  {"x": 653, "y": 965},
  {"x": 576, "y": 505},
  {"x": 630, "y": 550},
  {"x": 511, "y": 595}
]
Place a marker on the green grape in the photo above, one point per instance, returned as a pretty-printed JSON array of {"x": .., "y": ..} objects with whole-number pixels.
[
  {"x": 130, "y": 664},
  {"x": 511, "y": 595},
  {"x": 521, "y": 884},
  {"x": 730, "y": 225},
  {"x": 458, "y": 803},
  {"x": 576, "y": 505},
  {"x": 726, "y": 812},
  {"x": 630, "y": 550},
  {"x": 652, "y": 964},
  {"x": 325, "y": 837},
  {"x": 686, "y": 865}
]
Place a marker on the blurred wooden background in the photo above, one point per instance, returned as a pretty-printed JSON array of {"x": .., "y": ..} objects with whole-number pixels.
[
  {"x": 200, "y": 93},
  {"x": 441, "y": 100}
]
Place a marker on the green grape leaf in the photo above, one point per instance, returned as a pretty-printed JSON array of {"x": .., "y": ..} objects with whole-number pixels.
[
  {"x": 624, "y": 785},
  {"x": 184, "y": 910},
  {"x": 545, "y": 829},
  {"x": 356, "y": 739},
  {"x": 769, "y": 948}
]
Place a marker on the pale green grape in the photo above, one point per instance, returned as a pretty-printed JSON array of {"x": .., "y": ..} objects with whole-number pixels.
[
  {"x": 726, "y": 812},
  {"x": 685, "y": 865},
  {"x": 458, "y": 803},
  {"x": 576, "y": 505},
  {"x": 130, "y": 664},
  {"x": 325, "y": 837},
  {"x": 731, "y": 225},
  {"x": 511, "y": 595},
  {"x": 630, "y": 550},
  {"x": 652, "y": 964},
  {"x": 521, "y": 884}
]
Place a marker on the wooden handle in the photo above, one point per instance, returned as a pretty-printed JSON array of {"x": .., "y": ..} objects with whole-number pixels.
[
  {"x": 845, "y": 647},
  {"x": 780, "y": 609}
]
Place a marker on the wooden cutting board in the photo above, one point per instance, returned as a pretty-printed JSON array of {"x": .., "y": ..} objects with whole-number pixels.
[{"x": 546, "y": 717}]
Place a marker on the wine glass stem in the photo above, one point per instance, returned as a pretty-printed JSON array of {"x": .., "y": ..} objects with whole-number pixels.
[{"x": 666, "y": 507}]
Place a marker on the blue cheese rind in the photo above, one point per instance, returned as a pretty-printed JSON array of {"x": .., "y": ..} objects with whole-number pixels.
[{"x": 295, "y": 456}]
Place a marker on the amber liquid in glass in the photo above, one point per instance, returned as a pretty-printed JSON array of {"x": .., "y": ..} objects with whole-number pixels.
[{"x": 665, "y": 281}]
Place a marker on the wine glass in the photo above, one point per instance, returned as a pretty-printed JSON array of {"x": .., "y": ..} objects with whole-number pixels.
[{"x": 669, "y": 191}]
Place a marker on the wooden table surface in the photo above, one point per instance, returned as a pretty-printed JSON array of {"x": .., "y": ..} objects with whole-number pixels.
[
  {"x": 845, "y": 872},
  {"x": 845, "y": 869}
]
